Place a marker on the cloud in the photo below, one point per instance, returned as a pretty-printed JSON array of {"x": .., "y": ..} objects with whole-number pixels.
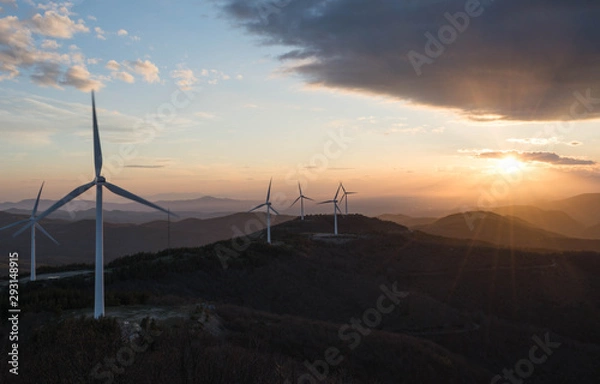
[
  {"x": 144, "y": 166},
  {"x": 113, "y": 65},
  {"x": 49, "y": 44},
  {"x": 79, "y": 77},
  {"x": 206, "y": 115},
  {"x": 184, "y": 77},
  {"x": 100, "y": 33},
  {"x": 530, "y": 60},
  {"x": 542, "y": 142},
  {"x": 29, "y": 45},
  {"x": 47, "y": 75},
  {"x": 540, "y": 157},
  {"x": 122, "y": 32},
  {"x": 146, "y": 69},
  {"x": 213, "y": 76},
  {"x": 57, "y": 25},
  {"x": 124, "y": 76},
  {"x": 537, "y": 141}
]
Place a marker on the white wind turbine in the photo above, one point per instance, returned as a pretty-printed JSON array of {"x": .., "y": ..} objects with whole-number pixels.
[
  {"x": 345, "y": 196},
  {"x": 301, "y": 198},
  {"x": 336, "y": 208},
  {"x": 99, "y": 182},
  {"x": 33, "y": 224},
  {"x": 270, "y": 208}
]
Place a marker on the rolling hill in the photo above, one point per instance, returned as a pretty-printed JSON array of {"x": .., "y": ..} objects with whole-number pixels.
[
  {"x": 407, "y": 221},
  {"x": 548, "y": 220},
  {"x": 492, "y": 228},
  {"x": 77, "y": 238},
  {"x": 584, "y": 208},
  {"x": 459, "y": 313}
]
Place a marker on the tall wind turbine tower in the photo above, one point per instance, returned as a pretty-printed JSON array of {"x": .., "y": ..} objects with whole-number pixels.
[
  {"x": 301, "y": 198},
  {"x": 345, "y": 196},
  {"x": 336, "y": 209},
  {"x": 33, "y": 224},
  {"x": 270, "y": 208},
  {"x": 99, "y": 182}
]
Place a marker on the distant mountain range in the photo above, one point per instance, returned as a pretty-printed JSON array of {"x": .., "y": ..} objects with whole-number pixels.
[
  {"x": 205, "y": 220},
  {"x": 77, "y": 238},
  {"x": 517, "y": 225},
  {"x": 203, "y": 207}
]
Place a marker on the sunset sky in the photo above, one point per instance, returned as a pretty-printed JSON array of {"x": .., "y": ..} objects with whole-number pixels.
[{"x": 215, "y": 97}]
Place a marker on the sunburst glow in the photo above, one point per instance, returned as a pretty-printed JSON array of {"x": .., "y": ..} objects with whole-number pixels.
[{"x": 510, "y": 165}]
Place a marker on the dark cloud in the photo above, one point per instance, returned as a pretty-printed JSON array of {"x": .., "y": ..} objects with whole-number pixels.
[
  {"x": 517, "y": 60},
  {"x": 541, "y": 157}
]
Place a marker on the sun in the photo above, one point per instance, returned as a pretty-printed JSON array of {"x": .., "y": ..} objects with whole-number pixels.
[{"x": 510, "y": 165}]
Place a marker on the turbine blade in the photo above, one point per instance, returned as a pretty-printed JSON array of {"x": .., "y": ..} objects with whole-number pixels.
[
  {"x": 269, "y": 191},
  {"x": 338, "y": 192},
  {"x": 343, "y": 189},
  {"x": 308, "y": 198},
  {"x": 97, "y": 147},
  {"x": 337, "y": 208},
  {"x": 46, "y": 233},
  {"x": 37, "y": 201},
  {"x": 257, "y": 207},
  {"x": 14, "y": 224},
  {"x": 128, "y": 195},
  {"x": 73, "y": 194},
  {"x": 300, "y": 188},
  {"x": 273, "y": 209},
  {"x": 295, "y": 201},
  {"x": 327, "y": 202}
]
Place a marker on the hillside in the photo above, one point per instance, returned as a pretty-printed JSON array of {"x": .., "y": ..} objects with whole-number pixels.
[
  {"x": 461, "y": 313},
  {"x": 77, "y": 238},
  {"x": 407, "y": 221},
  {"x": 584, "y": 208},
  {"x": 548, "y": 220},
  {"x": 492, "y": 228}
]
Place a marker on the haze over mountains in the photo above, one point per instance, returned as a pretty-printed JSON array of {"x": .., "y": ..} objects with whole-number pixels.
[{"x": 129, "y": 229}]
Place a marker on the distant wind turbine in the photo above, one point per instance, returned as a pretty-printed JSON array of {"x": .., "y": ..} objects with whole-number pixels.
[
  {"x": 336, "y": 209},
  {"x": 345, "y": 196},
  {"x": 33, "y": 224},
  {"x": 301, "y": 198},
  {"x": 267, "y": 204},
  {"x": 99, "y": 182}
]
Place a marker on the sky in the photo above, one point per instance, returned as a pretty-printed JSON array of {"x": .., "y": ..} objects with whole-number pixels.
[{"x": 467, "y": 102}]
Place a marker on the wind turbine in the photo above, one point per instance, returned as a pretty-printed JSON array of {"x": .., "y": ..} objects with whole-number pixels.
[
  {"x": 301, "y": 198},
  {"x": 336, "y": 208},
  {"x": 270, "y": 208},
  {"x": 33, "y": 224},
  {"x": 99, "y": 182},
  {"x": 345, "y": 196}
]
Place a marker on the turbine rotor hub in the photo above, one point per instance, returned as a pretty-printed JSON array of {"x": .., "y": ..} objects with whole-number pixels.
[{"x": 100, "y": 179}]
